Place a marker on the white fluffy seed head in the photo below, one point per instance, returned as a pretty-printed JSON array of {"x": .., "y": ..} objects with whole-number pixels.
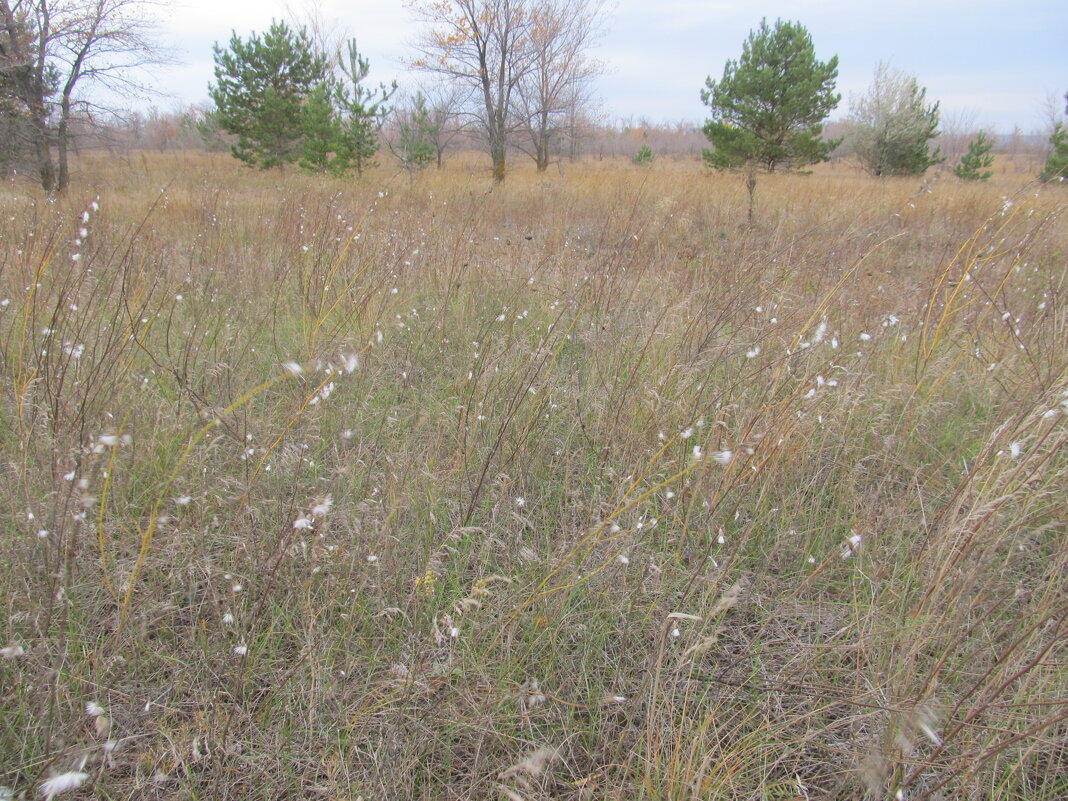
[{"x": 62, "y": 782}]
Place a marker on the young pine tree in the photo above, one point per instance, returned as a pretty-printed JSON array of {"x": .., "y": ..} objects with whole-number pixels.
[
  {"x": 416, "y": 133},
  {"x": 644, "y": 157},
  {"x": 973, "y": 164},
  {"x": 892, "y": 126},
  {"x": 1056, "y": 168},
  {"x": 360, "y": 114},
  {"x": 770, "y": 105},
  {"x": 768, "y": 108},
  {"x": 261, "y": 86},
  {"x": 320, "y": 129}
]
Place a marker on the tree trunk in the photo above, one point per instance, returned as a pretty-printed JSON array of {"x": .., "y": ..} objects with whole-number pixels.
[
  {"x": 63, "y": 130},
  {"x": 496, "y": 92},
  {"x": 499, "y": 166},
  {"x": 43, "y": 152},
  {"x": 541, "y": 155},
  {"x": 62, "y": 140},
  {"x": 497, "y": 145},
  {"x": 750, "y": 185},
  {"x": 541, "y": 142}
]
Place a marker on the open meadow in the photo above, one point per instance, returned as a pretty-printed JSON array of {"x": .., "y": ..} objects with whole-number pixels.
[{"x": 575, "y": 487}]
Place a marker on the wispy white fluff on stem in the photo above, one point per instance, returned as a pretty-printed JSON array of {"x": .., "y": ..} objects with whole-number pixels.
[
  {"x": 323, "y": 507},
  {"x": 63, "y": 782},
  {"x": 723, "y": 457}
]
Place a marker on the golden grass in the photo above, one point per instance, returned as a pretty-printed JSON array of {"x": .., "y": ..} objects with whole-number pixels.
[{"x": 575, "y": 487}]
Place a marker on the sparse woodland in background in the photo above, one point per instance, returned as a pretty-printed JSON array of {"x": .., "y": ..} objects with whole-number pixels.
[
  {"x": 52, "y": 54},
  {"x": 343, "y": 469},
  {"x": 513, "y": 78}
]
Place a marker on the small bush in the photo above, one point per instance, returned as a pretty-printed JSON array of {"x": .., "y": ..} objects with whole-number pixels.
[{"x": 973, "y": 164}]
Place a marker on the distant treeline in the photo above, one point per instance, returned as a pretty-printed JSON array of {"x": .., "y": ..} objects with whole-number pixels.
[{"x": 194, "y": 128}]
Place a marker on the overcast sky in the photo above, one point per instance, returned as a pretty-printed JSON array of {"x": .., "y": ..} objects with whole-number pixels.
[{"x": 998, "y": 64}]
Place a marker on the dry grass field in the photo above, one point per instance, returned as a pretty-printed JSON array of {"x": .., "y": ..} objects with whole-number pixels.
[{"x": 572, "y": 488}]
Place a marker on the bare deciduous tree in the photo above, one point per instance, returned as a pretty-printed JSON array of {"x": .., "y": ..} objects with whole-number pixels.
[
  {"x": 50, "y": 50},
  {"x": 521, "y": 61},
  {"x": 483, "y": 44},
  {"x": 560, "y": 71},
  {"x": 957, "y": 129},
  {"x": 445, "y": 102}
]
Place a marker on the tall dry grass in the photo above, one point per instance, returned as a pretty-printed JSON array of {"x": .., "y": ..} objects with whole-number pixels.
[{"x": 569, "y": 488}]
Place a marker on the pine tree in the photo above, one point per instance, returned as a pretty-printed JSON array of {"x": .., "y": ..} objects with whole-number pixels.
[
  {"x": 644, "y": 157},
  {"x": 769, "y": 107},
  {"x": 415, "y": 136},
  {"x": 261, "y": 88},
  {"x": 319, "y": 128},
  {"x": 1056, "y": 168},
  {"x": 973, "y": 164},
  {"x": 892, "y": 126},
  {"x": 27, "y": 100},
  {"x": 360, "y": 112}
]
